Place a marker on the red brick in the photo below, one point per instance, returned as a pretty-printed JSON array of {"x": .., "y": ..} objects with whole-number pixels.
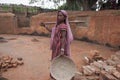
[
  {"x": 106, "y": 76},
  {"x": 118, "y": 67}
]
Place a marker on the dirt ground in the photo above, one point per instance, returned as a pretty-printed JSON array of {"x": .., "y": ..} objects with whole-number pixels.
[{"x": 37, "y": 55}]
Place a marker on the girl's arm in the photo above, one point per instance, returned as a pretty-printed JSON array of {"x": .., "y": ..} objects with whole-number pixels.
[{"x": 63, "y": 32}]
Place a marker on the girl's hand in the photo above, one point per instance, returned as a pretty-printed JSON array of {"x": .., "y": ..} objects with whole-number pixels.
[
  {"x": 42, "y": 24},
  {"x": 62, "y": 51}
]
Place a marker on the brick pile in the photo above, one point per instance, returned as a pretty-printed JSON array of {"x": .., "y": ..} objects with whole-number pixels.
[
  {"x": 98, "y": 68},
  {"x": 7, "y": 62}
]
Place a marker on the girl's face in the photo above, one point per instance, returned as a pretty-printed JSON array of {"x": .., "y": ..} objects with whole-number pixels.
[{"x": 61, "y": 17}]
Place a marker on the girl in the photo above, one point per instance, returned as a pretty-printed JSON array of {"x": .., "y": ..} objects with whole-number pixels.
[{"x": 61, "y": 35}]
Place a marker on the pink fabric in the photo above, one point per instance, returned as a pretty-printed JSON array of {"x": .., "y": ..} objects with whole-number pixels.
[
  {"x": 56, "y": 46},
  {"x": 69, "y": 35}
]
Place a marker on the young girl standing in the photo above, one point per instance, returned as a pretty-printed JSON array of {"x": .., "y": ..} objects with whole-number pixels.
[{"x": 61, "y": 35}]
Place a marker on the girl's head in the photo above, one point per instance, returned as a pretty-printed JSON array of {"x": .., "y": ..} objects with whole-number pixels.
[{"x": 61, "y": 16}]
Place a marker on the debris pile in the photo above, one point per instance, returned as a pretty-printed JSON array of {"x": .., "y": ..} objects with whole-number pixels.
[
  {"x": 7, "y": 62},
  {"x": 99, "y": 68}
]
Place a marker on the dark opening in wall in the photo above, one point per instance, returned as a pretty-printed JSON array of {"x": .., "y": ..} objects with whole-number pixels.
[{"x": 23, "y": 22}]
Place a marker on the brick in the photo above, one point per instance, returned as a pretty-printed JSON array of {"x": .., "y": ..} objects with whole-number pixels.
[
  {"x": 118, "y": 54},
  {"x": 118, "y": 67},
  {"x": 87, "y": 71},
  {"x": 98, "y": 65},
  {"x": 106, "y": 76},
  {"x": 97, "y": 70},
  {"x": 115, "y": 58},
  {"x": 92, "y": 77},
  {"x": 109, "y": 69},
  {"x": 116, "y": 74},
  {"x": 111, "y": 62},
  {"x": 92, "y": 69}
]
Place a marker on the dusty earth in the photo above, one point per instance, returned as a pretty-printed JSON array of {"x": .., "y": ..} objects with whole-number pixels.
[{"x": 37, "y": 55}]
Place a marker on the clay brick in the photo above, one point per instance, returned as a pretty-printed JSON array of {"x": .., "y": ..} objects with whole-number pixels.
[
  {"x": 92, "y": 77},
  {"x": 87, "y": 71},
  {"x": 118, "y": 67},
  {"x": 97, "y": 70},
  {"x": 98, "y": 65},
  {"x": 116, "y": 74},
  {"x": 106, "y": 76},
  {"x": 109, "y": 69},
  {"x": 118, "y": 54},
  {"x": 111, "y": 62}
]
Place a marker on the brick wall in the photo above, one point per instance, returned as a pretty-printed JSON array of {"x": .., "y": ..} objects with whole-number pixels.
[
  {"x": 102, "y": 27},
  {"x": 7, "y": 23}
]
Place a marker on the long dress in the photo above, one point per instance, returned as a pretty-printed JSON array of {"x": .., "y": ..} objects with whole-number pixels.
[{"x": 56, "y": 46}]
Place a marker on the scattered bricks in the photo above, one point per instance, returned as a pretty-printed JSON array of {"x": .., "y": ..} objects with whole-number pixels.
[
  {"x": 96, "y": 58},
  {"x": 8, "y": 62},
  {"x": 96, "y": 55},
  {"x": 92, "y": 77},
  {"x": 116, "y": 74},
  {"x": 106, "y": 67},
  {"x": 115, "y": 58},
  {"x": 109, "y": 69},
  {"x": 111, "y": 62},
  {"x": 10, "y": 66},
  {"x": 20, "y": 62},
  {"x": 102, "y": 62},
  {"x": 15, "y": 65},
  {"x": 97, "y": 70},
  {"x": 118, "y": 54},
  {"x": 91, "y": 68},
  {"x": 86, "y": 60},
  {"x": 87, "y": 71},
  {"x": 118, "y": 67},
  {"x": 106, "y": 76},
  {"x": 98, "y": 65}
]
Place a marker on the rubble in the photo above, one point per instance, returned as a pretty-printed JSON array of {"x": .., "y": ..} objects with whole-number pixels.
[
  {"x": 99, "y": 68},
  {"x": 118, "y": 67},
  {"x": 7, "y": 62}
]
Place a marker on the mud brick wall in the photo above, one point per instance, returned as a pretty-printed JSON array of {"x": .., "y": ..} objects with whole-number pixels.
[
  {"x": 102, "y": 27},
  {"x": 7, "y": 23}
]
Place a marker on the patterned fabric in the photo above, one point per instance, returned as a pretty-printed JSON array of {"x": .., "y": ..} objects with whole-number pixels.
[{"x": 56, "y": 47}]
